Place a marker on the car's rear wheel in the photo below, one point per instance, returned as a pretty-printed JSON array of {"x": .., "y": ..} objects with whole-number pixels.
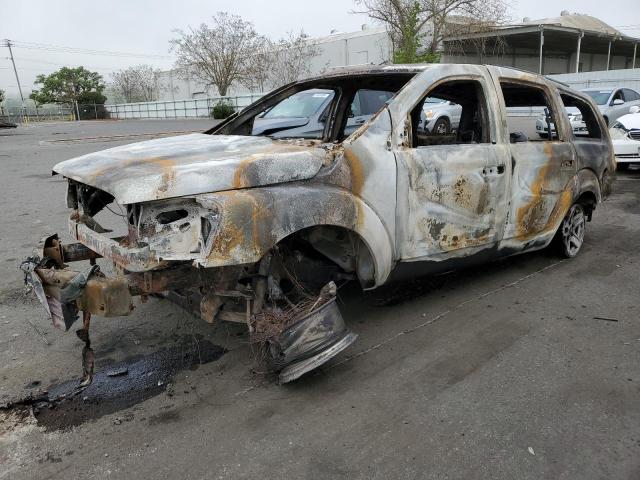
[
  {"x": 442, "y": 127},
  {"x": 570, "y": 235}
]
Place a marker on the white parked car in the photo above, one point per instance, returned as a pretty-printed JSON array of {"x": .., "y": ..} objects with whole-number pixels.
[
  {"x": 625, "y": 136},
  {"x": 575, "y": 118}
]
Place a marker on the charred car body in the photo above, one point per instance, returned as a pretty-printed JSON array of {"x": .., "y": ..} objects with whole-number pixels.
[{"x": 250, "y": 228}]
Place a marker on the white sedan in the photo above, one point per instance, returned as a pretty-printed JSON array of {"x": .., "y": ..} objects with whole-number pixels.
[
  {"x": 625, "y": 135},
  {"x": 575, "y": 118}
]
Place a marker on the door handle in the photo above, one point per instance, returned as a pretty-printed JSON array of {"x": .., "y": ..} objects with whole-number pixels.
[
  {"x": 493, "y": 170},
  {"x": 359, "y": 121}
]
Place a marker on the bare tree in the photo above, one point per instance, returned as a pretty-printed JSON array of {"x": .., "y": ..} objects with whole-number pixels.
[
  {"x": 410, "y": 21},
  {"x": 458, "y": 17},
  {"x": 292, "y": 57},
  {"x": 259, "y": 69},
  {"x": 136, "y": 84},
  {"x": 218, "y": 54},
  {"x": 124, "y": 84}
]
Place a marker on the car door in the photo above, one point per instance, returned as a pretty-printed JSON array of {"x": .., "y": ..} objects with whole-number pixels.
[
  {"x": 616, "y": 111},
  {"x": 452, "y": 189},
  {"x": 542, "y": 168}
]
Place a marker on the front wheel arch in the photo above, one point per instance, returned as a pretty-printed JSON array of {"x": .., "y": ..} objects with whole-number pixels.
[
  {"x": 341, "y": 246},
  {"x": 254, "y": 220}
]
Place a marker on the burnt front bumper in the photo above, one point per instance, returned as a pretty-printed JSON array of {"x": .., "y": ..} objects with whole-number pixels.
[
  {"x": 57, "y": 286},
  {"x": 132, "y": 259}
]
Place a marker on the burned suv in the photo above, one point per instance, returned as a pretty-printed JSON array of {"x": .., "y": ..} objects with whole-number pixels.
[{"x": 259, "y": 228}]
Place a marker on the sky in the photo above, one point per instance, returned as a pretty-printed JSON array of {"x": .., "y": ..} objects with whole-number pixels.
[{"x": 145, "y": 27}]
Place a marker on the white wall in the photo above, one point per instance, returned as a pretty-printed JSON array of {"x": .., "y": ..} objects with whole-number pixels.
[{"x": 629, "y": 78}]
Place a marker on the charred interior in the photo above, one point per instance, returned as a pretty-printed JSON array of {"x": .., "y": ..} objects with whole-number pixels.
[{"x": 337, "y": 113}]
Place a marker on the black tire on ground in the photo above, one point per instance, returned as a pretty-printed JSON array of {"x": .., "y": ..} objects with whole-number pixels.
[
  {"x": 569, "y": 238},
  {"x": 442, "y": 127}
]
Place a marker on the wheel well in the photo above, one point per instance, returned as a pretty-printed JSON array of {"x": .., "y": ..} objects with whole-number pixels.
[
  {"x": 588, "y": 200},
  {"x": 342, "y": 247}
]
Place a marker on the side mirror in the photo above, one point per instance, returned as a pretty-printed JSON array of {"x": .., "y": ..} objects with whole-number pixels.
[
  {"x": 618, "y": 101},
  {"x": 634, "y": 109}
]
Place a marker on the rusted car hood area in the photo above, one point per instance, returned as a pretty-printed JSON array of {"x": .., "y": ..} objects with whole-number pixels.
[{"x": 193, "y": 164}]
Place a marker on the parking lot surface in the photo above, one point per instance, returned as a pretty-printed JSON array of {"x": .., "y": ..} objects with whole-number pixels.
[{"x": 526, "y": 368}]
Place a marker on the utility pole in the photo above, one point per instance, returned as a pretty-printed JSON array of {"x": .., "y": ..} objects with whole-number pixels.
[{"x": 8, "y": 45}]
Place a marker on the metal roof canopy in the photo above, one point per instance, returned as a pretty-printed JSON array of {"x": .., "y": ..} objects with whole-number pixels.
[{"x": 556, "y": 39}]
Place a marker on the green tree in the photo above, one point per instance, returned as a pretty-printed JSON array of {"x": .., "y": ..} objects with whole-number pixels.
[
  {"x": 417, "y": 27},
  {"x": 68, "y": 86}
]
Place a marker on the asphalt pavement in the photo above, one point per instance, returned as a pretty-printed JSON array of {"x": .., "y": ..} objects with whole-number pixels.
[{"x": 526, "y": 368}]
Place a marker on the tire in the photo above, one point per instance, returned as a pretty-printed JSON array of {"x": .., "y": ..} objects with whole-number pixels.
[
  {"x": 441, "y": 127},
  {"x": 622, "y": 167},
  {"x": 570, "y": 235}
]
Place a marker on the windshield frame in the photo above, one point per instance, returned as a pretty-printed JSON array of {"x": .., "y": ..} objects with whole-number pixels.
[
  {"x": 320, "y": 93},
  {"x": 344, "y": 84}
]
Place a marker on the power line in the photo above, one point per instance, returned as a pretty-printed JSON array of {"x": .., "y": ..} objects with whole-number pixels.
[
  {"x": 84, "y": 51},
  {"x": 60, "y": 64}
]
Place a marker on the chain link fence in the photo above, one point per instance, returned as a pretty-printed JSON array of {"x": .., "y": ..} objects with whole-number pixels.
[
  {"x": 192, "y": 108},
  {"x": 44, "y": 113}
]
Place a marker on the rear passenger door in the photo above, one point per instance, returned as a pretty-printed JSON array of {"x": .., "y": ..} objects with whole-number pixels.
[
  {"x": 591, "y": 146},
  {"x": 542, "y": 168}
]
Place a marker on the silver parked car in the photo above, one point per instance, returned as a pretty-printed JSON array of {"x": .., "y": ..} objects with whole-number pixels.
[
  {"x": 613, "y": 102},
  {"x": 303, "y": 115},
  {"x": 441, "y": 116}
]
